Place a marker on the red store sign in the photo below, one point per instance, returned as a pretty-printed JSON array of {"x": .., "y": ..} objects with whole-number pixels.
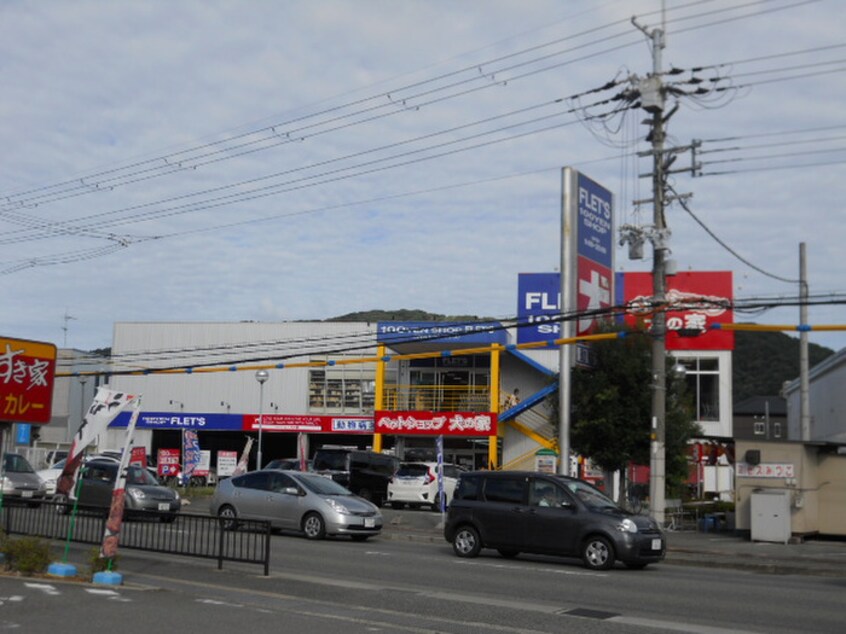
[
  {"x": 27, "y": 369},
  {"x": 310, "y": 424},
  {"x": 697, "y": 299},
  {"x": 436, "y": 423}
]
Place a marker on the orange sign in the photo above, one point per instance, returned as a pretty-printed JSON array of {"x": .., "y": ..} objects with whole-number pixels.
[{"x": 27, "y": 369}]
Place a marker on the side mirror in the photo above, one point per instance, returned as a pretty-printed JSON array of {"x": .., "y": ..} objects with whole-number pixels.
[{"x": 291, "y": 491}]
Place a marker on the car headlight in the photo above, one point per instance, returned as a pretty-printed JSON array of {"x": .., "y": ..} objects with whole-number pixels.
[
  {"x": 137, "y": 494},
  {"x": 627, "y": 526},
  {"x": 5, "y": 482},
  {"x": 338, "y": 507}
]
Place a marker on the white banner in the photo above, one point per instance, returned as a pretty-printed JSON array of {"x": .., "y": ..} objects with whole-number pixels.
[{"x": 106, "y": 405}]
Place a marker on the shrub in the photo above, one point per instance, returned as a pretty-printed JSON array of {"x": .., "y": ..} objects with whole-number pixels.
[{"x": 28, "y": 555}]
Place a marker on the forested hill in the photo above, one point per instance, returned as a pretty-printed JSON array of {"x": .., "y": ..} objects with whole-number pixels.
[
  {"x": 763, "y": 361},
  {"x": 405, "y": 315}
]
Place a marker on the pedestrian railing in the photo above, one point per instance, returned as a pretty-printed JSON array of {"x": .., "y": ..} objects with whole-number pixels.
[{"x": 182, "y": 534}]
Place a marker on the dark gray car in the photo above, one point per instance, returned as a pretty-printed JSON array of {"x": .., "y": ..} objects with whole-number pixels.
[
  {"x": 519, "y": 511},
  {"x": 143, "y": 491}
]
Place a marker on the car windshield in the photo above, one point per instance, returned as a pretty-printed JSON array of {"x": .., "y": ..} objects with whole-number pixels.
[
  {"x": 592, "y": 498},
  {"x": 415, "y": 470},
  {"x": 16, "y": 464},
  {"x": 322, "y": 486},
  {"x": 331, "y": 461},
  {"x": 137, "y": 475}
]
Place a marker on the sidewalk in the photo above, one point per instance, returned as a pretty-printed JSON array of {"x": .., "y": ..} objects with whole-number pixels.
[{"x": 820, "y": 557}]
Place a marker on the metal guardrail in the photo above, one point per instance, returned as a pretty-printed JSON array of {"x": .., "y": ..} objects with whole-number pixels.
[{"x": 189, "y": 535}]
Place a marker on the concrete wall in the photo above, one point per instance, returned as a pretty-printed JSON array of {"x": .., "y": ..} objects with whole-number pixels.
[
  {"x": 832, "y": 494},
  {"x": 817, "y": 486}
]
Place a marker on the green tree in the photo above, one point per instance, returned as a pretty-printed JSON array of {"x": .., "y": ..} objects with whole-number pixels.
[{"x": 611, "y": 408}]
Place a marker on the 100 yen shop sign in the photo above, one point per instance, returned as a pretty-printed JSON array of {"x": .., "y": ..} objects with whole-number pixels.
[{"x": 27, "y": 369}]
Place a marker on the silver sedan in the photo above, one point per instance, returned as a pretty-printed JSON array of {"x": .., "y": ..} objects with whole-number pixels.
[{"x": 291, "y": 500}]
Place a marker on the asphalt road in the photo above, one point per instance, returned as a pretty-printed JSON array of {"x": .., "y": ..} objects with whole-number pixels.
[{"x": 404, "y": 586}]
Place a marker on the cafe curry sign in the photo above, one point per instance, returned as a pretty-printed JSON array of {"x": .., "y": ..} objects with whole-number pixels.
[{"x": 27, "y": 370}]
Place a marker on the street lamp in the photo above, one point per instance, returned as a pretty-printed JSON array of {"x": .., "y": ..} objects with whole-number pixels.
[
  {"x": 261, "y": 377},
  {"x": 82, "y": 380}
]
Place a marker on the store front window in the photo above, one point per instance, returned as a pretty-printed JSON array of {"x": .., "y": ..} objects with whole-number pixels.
[
  {"x": 703, "y": 382},
  {"x": 342, "y": 389}
]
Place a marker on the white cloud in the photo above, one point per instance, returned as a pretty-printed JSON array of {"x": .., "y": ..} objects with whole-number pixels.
[{"x": 94, "y": 85}]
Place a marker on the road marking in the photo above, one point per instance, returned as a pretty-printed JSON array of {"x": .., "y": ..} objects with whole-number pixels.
[
  {"x": 111, "y": 595},
  {"x": 690, "y": 628},
  {"x": 377, "y": 552},
  {"x": 540, "y": 568},
  {"x": 44, "y": 587},
  {"x": 223, "y": 603}
]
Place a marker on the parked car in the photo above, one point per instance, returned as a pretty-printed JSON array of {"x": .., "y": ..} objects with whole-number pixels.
[
  {"x": 20, "y": 482},
  {"x": 365, "y": 473},
  {"x": 143, "y": 490},
  {"x": 51, "y": 475},
  {"x": 297, "y": 501},
  {"x": 416, "y": 484},
  {"x": 516, "y": 512},
  {"x": 289, "y": 464}
]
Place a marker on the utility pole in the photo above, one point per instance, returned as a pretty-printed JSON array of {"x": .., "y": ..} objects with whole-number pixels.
[
  {"x": 652, "y": 100},
  {"x": 804, "y": 381}
]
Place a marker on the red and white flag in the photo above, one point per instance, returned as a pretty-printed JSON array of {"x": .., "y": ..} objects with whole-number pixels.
[
  {"x": 115, "y": 519},
  {"x": 105, "y": 407},
  {"x": 241, "y": 467}
]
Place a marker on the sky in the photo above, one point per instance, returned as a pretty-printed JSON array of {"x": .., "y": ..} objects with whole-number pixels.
[{"x": 299, "y": 160}]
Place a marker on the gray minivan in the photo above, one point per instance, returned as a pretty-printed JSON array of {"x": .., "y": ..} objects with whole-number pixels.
[{"x": 523, "y": 511}]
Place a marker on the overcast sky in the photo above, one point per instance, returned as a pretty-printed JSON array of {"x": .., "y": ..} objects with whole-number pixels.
[{"x": 302, "y": 159}]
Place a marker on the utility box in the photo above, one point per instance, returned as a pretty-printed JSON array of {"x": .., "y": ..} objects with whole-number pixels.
[{"x": 770, "y": 516}]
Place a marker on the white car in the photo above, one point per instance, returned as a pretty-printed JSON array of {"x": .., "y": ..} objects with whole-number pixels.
[
  {"x": 416, "y": 484},
  {"x": 51, "y": 475}
]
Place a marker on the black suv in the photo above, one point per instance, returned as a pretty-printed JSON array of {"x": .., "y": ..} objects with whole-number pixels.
[
  {"x": 365, "y": 473},
  {"x": 521, "y": 511}
]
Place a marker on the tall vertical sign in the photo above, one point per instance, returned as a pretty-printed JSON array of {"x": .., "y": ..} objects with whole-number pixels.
[
  {"x": 587, "y": 274},
  {"x": 595, "y": 252}
]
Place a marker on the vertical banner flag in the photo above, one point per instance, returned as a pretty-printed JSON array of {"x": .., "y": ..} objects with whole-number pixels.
[
  {"x": 190, "y": 454},
  {"x": 106, "y": 405},
  {"x": 115, "y": 519},
  {"x": 242, "y": 463},
  {"x": 302, "y": 450},
  {"x": 440, "y": 449}
]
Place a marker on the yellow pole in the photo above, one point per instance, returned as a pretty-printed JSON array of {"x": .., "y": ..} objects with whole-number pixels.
[
  {"x": 494, "y": 405},
  {"x": 378, "y": 401}
]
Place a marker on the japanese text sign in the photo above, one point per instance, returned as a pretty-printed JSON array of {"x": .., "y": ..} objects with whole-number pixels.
[{"x": 27, "y": 369}]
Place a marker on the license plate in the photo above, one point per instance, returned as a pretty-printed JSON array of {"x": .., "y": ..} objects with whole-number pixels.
[
  {"x": 26, "y": 494},
  {"x": 656, "y": 544},
  {"x": 369, "y": 522},
  {"x": 164, "y": 506}
]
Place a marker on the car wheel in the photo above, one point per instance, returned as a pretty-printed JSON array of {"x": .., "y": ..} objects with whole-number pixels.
[
  {"x": 228, "y": 517},
  {"x": 359, "y": 538},
  {"x": 314, "y": 527},
  {"x": 597, "y": 553},
  {"x": 508, "y": 553},
  {"x": 466, "y": 542}
]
